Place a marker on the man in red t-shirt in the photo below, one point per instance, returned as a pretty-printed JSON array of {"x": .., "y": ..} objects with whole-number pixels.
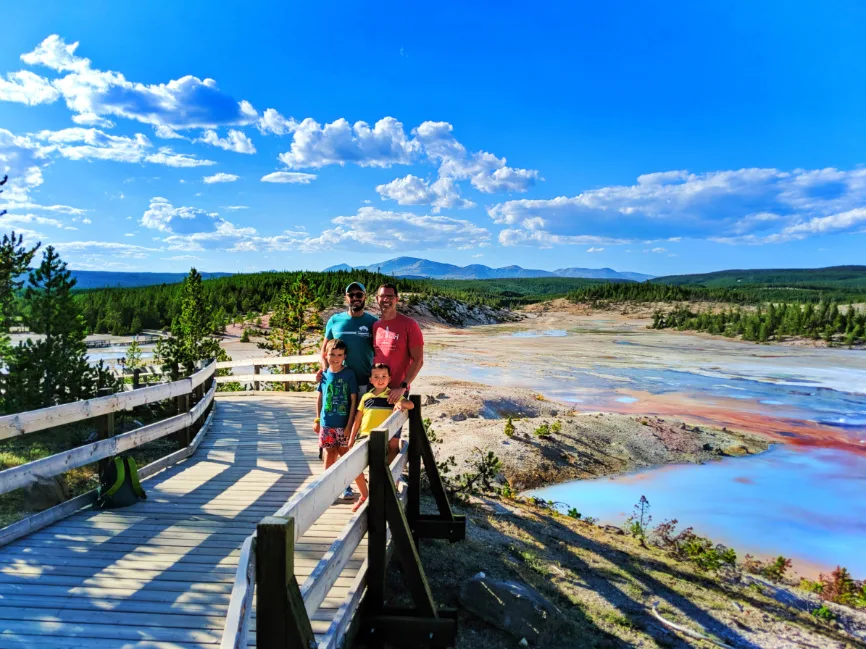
[{"x": 399, "y": 343}]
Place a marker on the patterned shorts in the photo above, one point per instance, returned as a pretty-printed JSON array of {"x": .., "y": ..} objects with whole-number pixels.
[{"x": 332, "y": 437}]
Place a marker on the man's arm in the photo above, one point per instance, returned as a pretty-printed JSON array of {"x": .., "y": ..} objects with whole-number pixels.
[{"x": 417, "y": 356}]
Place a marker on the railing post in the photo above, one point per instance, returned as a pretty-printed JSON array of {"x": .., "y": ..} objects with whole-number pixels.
[
  {"x": 136, "y": 374},
  {"x": 255, "y": 383},
  {"x": 106, "y": 429},
  {"x": 281, "y": 619},
  {"x": 183, "y": 433},
  {"x": 416, "y": 430},
  {"x": 286, "y": 383},
  {"x": 376, "y": 523}
]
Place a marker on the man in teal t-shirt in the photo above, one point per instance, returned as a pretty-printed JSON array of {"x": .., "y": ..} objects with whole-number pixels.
[{"x": 354, "y": 327}]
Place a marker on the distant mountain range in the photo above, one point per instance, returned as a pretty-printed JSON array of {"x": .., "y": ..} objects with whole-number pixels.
[
  {"x": 413, "y": 267},
  {"x": 110, "y": 279}
]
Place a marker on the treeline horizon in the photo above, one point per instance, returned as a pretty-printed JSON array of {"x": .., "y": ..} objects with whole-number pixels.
[{"x": 825, "y": 321}]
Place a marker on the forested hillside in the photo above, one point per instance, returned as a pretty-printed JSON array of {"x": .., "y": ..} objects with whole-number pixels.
[{"x": 832, "y": 277}]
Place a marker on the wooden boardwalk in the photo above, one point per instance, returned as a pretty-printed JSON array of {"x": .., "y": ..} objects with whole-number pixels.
[{"x": 159, "y": 574}]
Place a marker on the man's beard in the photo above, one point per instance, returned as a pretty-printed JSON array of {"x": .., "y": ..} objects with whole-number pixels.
[{"x": 353, "y": 306}]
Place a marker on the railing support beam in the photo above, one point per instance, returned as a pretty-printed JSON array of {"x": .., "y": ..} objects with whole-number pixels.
[{"x": 281, "y": 620}]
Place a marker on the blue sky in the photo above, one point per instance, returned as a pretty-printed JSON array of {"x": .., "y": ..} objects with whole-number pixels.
[{"x": 654, "y": 137}]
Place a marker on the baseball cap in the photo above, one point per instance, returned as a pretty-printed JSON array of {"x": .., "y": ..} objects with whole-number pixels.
[{"x": 356, "y": 284}]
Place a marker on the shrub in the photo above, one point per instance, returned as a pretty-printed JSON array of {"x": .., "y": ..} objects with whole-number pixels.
[
  {"x": 245, "y": 336},
  {"x": 773, "y": 570},
  {"x": 543, "y": 431},
  {"x": 556, "y": 427},
  {"x": 638, "y": 522},
  {"x": 573, "y": 513},
  {"x": 509, "y": 428},
  {"x": 838, "y": 587},
  {"x": 824, "y": 614},
  {"x": 688, "y": 546}
]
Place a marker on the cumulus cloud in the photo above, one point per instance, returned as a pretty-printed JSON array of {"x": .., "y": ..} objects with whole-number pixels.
[
  {"x": 272, "y": 122},
  {"x": 370, "y": 228},
  {"x": 339, "y": 142},
  {"x": 220, "y": 178},
  {"x": 289, "y": 177},
  {"x": 735, "y": 206},
  {"x": 188, "y": 102},
  {"x": 92, "y": 144},
  {"x": 236, "y": 141},
  {"x": 25, "y": 87},
  {"x": 22, "y": 159},
  {"x": 486, "y": 172},
  {"x": 163, "y": 216},
  {"x": 413, "y": 190}
]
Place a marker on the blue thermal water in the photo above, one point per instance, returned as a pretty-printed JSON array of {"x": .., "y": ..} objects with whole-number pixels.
[{"x": 804, "y": 503}]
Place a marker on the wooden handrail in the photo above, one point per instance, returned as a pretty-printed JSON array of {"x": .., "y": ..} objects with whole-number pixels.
[
  {"x": 269, "y": 360},
  {"x": 32, "y": 421},
  {"x": 305, "y": 508},
  {"x": 26, "y": 474},
  {"x": 264, "y": 378}
]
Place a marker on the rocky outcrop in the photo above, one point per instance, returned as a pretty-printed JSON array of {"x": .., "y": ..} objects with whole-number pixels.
[
  {"x": 456, "y": 313},
  {"x": 511, "y": 606}
]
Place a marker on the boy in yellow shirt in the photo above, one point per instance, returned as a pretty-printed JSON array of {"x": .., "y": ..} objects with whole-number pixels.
[{"x": 373, "y": 410}]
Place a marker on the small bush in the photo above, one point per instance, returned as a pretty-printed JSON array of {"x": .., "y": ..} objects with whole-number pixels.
[
  {"x": 773, "y": 570},
  {"x": 638, "y": 522},
  {"x": 824, "y": 614},
  {"x": 507, "y": 492},
  {"x": 245, "y": 336},
  {"x": 543, "y": 431},
  {"x": 840, "y": 588},
  {"x": 573, "y": 513},
  {"x": 556, "y": 427},
  {"x": 688, "y": 546},
  {"x": 509, "y": 428}
]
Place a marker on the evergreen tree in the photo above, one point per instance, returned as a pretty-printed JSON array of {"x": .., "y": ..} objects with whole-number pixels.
[
  {"x": 133, "y": 356},
  {"x": 53, "y": 369},
  {"x": 189, "y": 341},
  {"x": 296, "y": 312}
]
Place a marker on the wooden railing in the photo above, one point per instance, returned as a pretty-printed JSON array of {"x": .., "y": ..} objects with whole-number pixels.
[
  {"x": 256, "y": 378},
  {"x": 266, "y": 564},
  {"x": 109, "y": 444}
]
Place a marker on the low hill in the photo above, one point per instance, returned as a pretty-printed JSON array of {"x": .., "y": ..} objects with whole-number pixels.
[
  {"x": 836, "y": 277},
  {"x": 413, "y": 267},
  {"x": 89, "y": 279}
]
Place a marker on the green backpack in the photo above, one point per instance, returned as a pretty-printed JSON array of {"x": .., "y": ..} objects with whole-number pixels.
[{"x": 118, "y": 484}]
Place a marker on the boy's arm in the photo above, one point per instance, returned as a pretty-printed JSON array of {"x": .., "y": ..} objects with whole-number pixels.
[
  {"x": 318, "y": 411},
  {"x": 353, "y": 403},
  {"x": 355, "y": 426},
  {"x": 404, "y": 404}
]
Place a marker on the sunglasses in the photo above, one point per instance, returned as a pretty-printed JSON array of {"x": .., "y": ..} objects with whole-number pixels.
[{"x": 355, "y": 295}]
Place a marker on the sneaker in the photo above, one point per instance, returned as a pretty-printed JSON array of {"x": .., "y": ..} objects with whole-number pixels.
[{"x": 348, "y": 494}]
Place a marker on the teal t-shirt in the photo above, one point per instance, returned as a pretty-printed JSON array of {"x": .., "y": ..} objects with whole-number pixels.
[
  {"x": 357, "y": 333},
  {"x": 337, "y": 390}
]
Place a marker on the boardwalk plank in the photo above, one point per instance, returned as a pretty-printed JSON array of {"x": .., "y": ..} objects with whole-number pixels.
[{"x": 158, "y": 575}]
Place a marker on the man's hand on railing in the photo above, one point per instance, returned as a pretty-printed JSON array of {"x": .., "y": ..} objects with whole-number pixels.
[{"x": 319, "y": 374}]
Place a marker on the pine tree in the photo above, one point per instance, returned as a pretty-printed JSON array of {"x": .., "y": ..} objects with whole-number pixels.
[
  {"x": 133, "y": 356},
  {"x": 53, "y": 369},
  {"x": 296, "y": 312},
  {"x": 189, "y": 341}
]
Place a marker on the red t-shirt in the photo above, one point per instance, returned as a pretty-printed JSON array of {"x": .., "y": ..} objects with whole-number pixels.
[{"x": 391, "y": 342}]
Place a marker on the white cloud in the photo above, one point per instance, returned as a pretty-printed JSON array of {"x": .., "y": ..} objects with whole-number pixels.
[
  {"x": 163, "y": 216},
  {"x": 272, "y": 122},
  {"x": 220, "y": 178},
  {"x": 741, "y": 206},
  {"x": 236, "y": 141},
  {"x": 289, "y": 177},
  {"x": 24, "y": 87},
  {"x": 380, "y": 229},
  {"x": 339, "y": 142},
  {"x": 369, "y": 228},
  {"x": 103, "y": 247},
  {"x": 234, "y": 208},
  {"x": 129, "y": 234},
  {"x": 89, "y": 119},
  {"x": 543, "y": 239},
  {"x": 92, "y": 144},
  {"x": 188, "y": 102},
  {"x": 32, "y": 219},
  {"x": 22, "y": 159},
  {"x": 167, "y": 133},
  {"x": 182, "y": 258},
  {"x": 658, "y": 250},
  {"x": 411, "y": 190},
  {"x": 595, "y": 249}
]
